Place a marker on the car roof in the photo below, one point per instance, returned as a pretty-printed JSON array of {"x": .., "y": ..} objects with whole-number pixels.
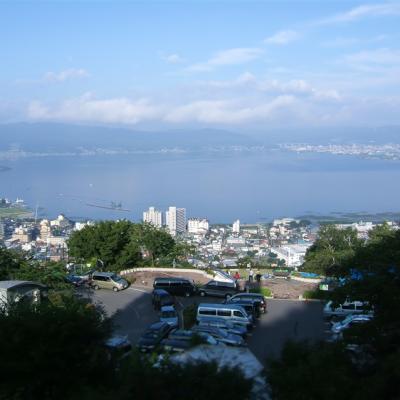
[
  {"x": 223, "y": 283},
  {"x": 156, "y": 326},
  {"x": 103, "y": 273},
  {"x": 167, "y": 308},
  {"x": 161, "y": 292},
  {"x": 174, "y": 278},
  {"x": 221, "y": 306}
]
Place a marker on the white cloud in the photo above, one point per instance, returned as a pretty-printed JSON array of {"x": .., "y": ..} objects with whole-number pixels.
[
  {"x": 65, "y": 75},
  {"x": 172, "y": 58},
  {"x": 229, "y": 111},
  {"x": 363, "y": 11},
  {"x": 283, "y": 37},
  {"x": 240, "y": 55},
  {"x": 87, "y": 109},
  {"x": 381, "y": 56}
]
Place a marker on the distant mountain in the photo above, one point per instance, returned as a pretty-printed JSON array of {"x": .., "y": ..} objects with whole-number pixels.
[
  {"x": 57, "y": 137},
  {"x": 63, "y": 137}
]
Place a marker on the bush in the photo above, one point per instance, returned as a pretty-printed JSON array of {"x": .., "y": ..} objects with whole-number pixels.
[
  {"x": 315, "y": 294},
  {"x": 189, "y": 316},
  {"x": 262, "y": 290}
]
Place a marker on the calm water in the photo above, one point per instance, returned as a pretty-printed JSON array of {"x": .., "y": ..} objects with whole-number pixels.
[{"x": 222, "y": 188}]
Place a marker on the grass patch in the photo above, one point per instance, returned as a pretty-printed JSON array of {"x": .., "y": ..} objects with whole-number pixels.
[{"x": 262, "y": 290}]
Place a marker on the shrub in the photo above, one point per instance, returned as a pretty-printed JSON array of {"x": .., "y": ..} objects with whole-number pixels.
[
  {"x": 262, "y": 290},
  {"x": 315, "y": 294}
]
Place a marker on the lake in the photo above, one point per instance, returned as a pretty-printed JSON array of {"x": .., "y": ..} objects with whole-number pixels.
[{"x": 221, "y": 187}]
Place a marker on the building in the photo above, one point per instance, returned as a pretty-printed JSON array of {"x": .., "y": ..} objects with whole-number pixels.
[
  {"x": 292, "y": 254},
  {"x": 175, "y": 219},
  {"x": 60, "y": 222},
  {"x": 198, "y": 226},
  {"x": 16, "y": 291},
  {"x": 153, "y": 216},
  {"x": 22, "y": 234},
  {"x": 45, "y": 230},
  {"x": 2, "y": 230},
  {"x": 236, "y": 226}
]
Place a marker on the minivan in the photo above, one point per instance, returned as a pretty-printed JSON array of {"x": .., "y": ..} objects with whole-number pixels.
[
  {"x": 219, "y": 289},
  {"x": 230, "y": 312},
  {"x": 108, "y": 280},
  {"x": 175, "y": 286},
  {"x": 160, "y": 298}
]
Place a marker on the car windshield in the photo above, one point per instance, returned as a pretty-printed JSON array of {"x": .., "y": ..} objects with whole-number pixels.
[
  {"x": 116, "y": 278},
  {"x": 168, "y": 314}
]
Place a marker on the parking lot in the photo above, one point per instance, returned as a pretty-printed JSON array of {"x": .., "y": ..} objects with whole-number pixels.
[{"x": 132, "y": 313}]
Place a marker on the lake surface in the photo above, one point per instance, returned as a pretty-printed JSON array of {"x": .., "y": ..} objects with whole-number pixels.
[{"x": 221, "y": 187}]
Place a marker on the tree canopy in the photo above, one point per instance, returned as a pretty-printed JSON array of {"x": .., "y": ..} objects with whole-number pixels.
[
  {"x": 333, "y": 247},
  {"x": 119, "y": 244},
  {"x": 369, "y": 271}
]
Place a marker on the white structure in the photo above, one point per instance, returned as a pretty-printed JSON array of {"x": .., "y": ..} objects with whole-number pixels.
[
  {"x": 175, "y": 219},
  {"x": 292, "y": 254},
  {"x": 153, "y": 216},
  {"x": 61, "y": 222},
  {"x": 236, "y": 226},
  {"x": 284, "y": 221},
  {"x": 198, "y": 226}
]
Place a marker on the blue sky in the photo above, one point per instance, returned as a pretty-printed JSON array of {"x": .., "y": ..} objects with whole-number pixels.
[{"x": 201, "y": 63}]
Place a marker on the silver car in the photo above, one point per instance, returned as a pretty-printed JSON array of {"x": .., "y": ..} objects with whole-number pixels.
[{"x": 221, "y": 335}]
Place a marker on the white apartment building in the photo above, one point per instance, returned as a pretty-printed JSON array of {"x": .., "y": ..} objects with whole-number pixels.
[
  {"x": 198, "y": 226},
  {"x": 175, "y": 219},
  {"x": 153, "y": 216},
  {"x": 236, "y": 226},
  {"x": 292, "y": 254}
]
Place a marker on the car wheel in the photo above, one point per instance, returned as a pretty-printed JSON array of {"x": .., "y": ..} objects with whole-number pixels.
[
  {"x": 228, "y": 296},
  {"x": 203, "y": 294},
  {"x": 115, "y": 289},
  {"x": 96, "y": 287}
]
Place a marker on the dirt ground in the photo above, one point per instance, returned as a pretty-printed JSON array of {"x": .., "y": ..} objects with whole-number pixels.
[{"x": 281, "y": 288}]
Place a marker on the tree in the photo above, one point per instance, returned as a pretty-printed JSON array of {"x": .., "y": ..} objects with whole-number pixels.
[
  {"x": 333, "y": 247},
  {"x": 50, "y": 352},
  {"x": 10, "y": 262}
]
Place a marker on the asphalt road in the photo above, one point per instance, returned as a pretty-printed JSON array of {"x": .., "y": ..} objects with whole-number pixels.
[{"x": 132, "y": 313}]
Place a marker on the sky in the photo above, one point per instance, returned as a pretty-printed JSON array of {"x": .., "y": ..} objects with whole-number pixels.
[{"x": 236, "y": 64}]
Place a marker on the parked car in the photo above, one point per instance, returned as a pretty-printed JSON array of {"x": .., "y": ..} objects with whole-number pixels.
[
  {"x": 193, "y": 337},
  {"x": 175, "y": 345},
  {"x": 221, "y": 335},
  {"x": 229, "y": 312},
  {"x": 118, "y": 347},
  {"x": 169, "y": 315},
  {"x": 175, "y": 286},
  {"x": 108, "y": 280},
  {"x": 74, "y": 280},
  {"x": 348, "y": 322},
  {"x": 153, "y": 335},
  {"x": 221, "y": 323},
  {"x": 250, "y": 296},
  {"x": 347, "y": 308},
  {"x": 218, "y": 289},
  {"x": 161, "y": 298}
]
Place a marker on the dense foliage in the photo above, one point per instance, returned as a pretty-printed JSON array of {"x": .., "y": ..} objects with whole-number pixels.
[
  {"x": 333, "y": 247},
  {"x": 365, "y": 364},
  {"x": 120, "y": 244}
]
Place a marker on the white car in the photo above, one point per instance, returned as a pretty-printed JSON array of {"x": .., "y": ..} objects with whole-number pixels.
[
  {"x": 169, "y": 315},
  {"x": 351, "y": 320},
  {"x": 347, "y": 308}
]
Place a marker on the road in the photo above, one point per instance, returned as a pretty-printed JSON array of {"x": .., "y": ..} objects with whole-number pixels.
[{"x": 132, "y": 313}]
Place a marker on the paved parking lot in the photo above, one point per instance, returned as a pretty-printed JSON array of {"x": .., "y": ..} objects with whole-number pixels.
[{"x": 132, "y": 312}]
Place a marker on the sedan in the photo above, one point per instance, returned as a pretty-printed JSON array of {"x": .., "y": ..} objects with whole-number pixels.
[{"x": 153, "y": 336}]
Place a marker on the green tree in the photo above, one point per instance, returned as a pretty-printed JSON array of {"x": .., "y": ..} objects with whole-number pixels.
[
  {"x": 10, "y": 262},
  {"x": 50, "y": 352},
  {"x": 333, "y": 247}
]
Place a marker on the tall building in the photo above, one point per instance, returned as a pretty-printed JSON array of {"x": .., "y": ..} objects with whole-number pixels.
[
  {"x": 153, "y": 216},
  {"x": 236, "y": 226},
  {"x": 2, "y": 230},
  {"x": 175, "y": 219},
  {"x": 198, "y": 226}
]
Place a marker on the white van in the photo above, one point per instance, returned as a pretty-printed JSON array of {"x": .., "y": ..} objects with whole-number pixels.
[{"x": 229, "y": 312}]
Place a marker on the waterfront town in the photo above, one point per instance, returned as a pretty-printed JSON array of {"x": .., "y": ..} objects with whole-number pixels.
[{"x": 279, "y": 243}]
